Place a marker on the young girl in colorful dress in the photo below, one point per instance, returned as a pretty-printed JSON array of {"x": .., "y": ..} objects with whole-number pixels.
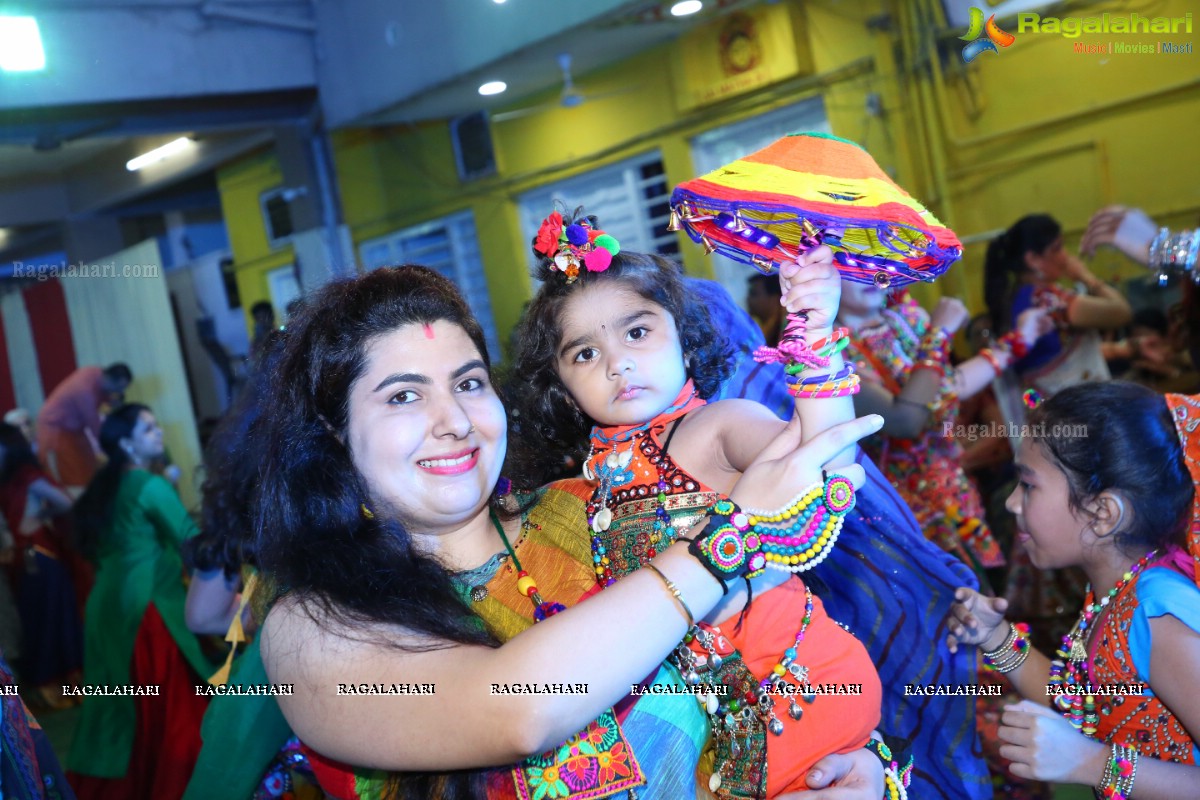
[
  {"x": 1108, "y": 488},
  {"x": 903, "y": 355},
  {"x": 1021, "y": 271},
  {"x": 612, "y": 352},
  {"x": 625, "y": 348}
]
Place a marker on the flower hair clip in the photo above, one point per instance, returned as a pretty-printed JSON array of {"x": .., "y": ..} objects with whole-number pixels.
[
  {"x": 568, "y": 247},
  {"x": 1032, "y": 398}
]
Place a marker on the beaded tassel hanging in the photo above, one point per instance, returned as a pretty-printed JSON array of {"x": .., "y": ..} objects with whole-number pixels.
[
  {"x": 737, "y": 715},
  {"x": 526, "y": 584},
  {"x": 600, "y": 519}
]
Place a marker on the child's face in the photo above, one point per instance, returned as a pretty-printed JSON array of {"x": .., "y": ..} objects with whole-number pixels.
[
  {"x": 861, "y": 298},
  {"x": 1047, "y": 527},
  {"x": 619, "y": 355}
]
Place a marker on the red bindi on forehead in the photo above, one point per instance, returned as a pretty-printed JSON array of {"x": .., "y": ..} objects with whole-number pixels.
[{"x": 428, "y": 330}]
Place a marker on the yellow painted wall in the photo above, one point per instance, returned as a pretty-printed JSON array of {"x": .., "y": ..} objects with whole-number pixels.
[
  {"x": 241, "y": 184},
  {"x": 1039, "y": 127},
  {"x": 1033, "y": 128}
]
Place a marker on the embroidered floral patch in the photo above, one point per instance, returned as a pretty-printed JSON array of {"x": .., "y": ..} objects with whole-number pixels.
[{"x": 595, "y": 763}]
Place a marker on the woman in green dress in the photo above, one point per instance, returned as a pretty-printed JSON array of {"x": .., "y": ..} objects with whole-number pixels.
[{"x": 142, "y": 741}]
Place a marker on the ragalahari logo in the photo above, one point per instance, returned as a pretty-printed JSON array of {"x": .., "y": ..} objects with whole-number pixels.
[{"x": 994, "y": 36}]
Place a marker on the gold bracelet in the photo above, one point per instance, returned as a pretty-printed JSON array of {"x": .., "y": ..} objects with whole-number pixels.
[{"x": 674, "y": 590}]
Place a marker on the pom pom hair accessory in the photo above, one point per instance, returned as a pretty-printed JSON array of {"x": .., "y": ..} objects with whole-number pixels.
[{"x": 571, "y": 245}]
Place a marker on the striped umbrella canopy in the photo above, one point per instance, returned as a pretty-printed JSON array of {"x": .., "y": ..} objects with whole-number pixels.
[{"x": 813, "y": 188}]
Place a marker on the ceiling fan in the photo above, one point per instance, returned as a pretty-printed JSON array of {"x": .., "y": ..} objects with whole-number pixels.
[{"x": 570, "y": 97}]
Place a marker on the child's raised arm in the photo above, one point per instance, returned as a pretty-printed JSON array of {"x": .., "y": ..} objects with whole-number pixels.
[{"x": 813, "y": 285}]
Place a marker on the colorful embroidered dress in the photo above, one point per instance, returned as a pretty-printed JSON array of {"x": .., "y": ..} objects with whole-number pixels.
[
  {"x": 927, "y": 471},
  {"x": 1120, "y": 653},
  {"x": 1064, "y": 356},
  {"x": 643, "y": 522},
  {"x": 28, "y": 767},
  {"x": 645, "y": 748}
]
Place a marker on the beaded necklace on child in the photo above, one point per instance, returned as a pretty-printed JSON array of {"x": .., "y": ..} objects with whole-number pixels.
[
  {"x": 798, "y": 541},
  {"x": 1069, "y": 672}
]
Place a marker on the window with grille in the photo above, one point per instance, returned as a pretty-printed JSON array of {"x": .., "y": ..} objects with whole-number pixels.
[
  {"x": 449, "y": 246},
  {"x": 719, "y": 146},
  {"x": 630, "y": 200},
  {"x": 277, "y": 213}
]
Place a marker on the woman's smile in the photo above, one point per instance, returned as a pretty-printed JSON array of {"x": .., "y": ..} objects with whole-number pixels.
[{"x": 452, "y": 464}]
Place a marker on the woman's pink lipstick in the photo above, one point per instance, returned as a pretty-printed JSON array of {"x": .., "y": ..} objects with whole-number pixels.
[{"x": 453, "y": 464}]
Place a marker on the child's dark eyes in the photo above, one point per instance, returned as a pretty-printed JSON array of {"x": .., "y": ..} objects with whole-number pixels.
[
  {"x": 640, "y": 332},
  {"x": 586, "y": 354},
  {"x": 470, "y": 385},
  {"x": 1026, "y": 485}
]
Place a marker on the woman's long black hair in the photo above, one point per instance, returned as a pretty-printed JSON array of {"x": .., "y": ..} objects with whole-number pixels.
[
  {"x": 93, "y": 511},
  {"x": 233, "y": 465},
  {"x": 1120, "y": 437},
  {"x": 1005, "y": 261},
  {"x": 547, "y": 425},
  {"x": 310, "y": 532},
  {"x": 349, "y": 570}
]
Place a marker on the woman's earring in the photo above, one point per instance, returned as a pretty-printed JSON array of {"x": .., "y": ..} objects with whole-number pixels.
[{"x": 366, "y": 512}]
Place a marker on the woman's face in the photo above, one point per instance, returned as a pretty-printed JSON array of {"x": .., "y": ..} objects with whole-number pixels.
[
  {"x": 146, "y": 440},
  {"x": 426, "y": 429},
  {"x": 1051, "y": 263}
]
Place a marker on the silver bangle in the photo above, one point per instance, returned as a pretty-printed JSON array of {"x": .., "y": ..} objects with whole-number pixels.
[{"x": 1175, "y": 252}]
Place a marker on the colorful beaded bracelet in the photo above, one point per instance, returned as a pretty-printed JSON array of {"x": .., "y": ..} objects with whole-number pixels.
[
  {"x": 896, "y": 779},
  {"x": 1120, "y": 771},
  {"x": 803, "y": 533},
  {"x": 1015, "y": 344},
  {"x": 1012, "y": 652},
  {"x": 727, "y": 547},
  {"x": 990, "y": 357}
]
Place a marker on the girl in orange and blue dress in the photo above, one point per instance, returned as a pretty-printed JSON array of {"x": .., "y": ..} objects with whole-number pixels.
[
  {"x": 1110, "y": 488},
  {"x": 624, "y": 359}
]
